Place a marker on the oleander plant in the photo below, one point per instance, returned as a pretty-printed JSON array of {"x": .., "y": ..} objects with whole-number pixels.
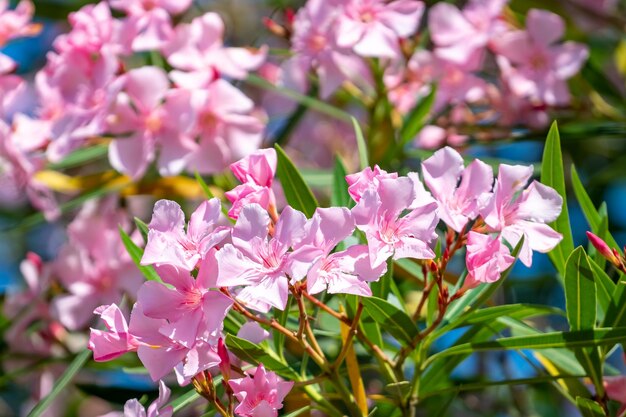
[{"x": 362, "y": 208}]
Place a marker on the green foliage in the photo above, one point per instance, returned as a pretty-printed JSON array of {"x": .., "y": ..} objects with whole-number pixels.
[{"x": 297, "y": 193}]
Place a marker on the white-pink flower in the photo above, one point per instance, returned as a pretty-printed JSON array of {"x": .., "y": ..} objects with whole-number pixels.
[
  {"x": 170, "y": 244},
  {"x": 516, "y": 211},
  {"x": 486, "y": 259},
  {"x": 459, "y": 202}
]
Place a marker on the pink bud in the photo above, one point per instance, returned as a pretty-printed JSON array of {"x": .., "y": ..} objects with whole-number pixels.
[
  {"x": 222, "y": 352},
  {"x": 603, "y": 248}
]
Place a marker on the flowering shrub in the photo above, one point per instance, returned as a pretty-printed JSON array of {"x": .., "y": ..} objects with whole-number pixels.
[{"x": 271, "y": 276}]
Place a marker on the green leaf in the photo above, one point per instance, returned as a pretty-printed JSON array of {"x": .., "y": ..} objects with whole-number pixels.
[
  {"x": 361, "y": 145},
  {"x": 393, "y": 320},
  {"x": 298, "y": 194},
  {"x": 589, "y": 408},
  {"x": 256, "y": 354},
  {"x": 143, "y": 228},
  {"x": 602, "y": 232},
  {"x": 205, "y": 188},
  {"x": 552, "y": 175},
  {"x": 580, "y": 291},
  {"x": 591, "y": 214},
  {"x": 605, "y": 287},
  {"x": 340, "y": 196},
  {"x": 616, "y": 312},
  {"x": 382, "y": 287},
  {"x": 136, "y": 253},
  {"x": 416, "y": 119},
  {"x": 60, "y": 384},
  {"x": 310, "y": 102},
  {"x": 573, "y": 339},
  {"x": 80, "y": 157}
]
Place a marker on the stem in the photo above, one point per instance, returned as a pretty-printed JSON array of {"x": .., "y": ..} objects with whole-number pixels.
[
  {"x": 318, "y": 303},
  {"x": 351, "y": 333}
]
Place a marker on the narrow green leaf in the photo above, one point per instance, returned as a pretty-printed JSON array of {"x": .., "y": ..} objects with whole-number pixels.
[
  {"x": 60, "y": 384},
  {"x": 297, "y": 193},
  {"x": 143, "y": 229},
  {"x": 278, "y": 337},
  {"x": 616, "y": 312},
  {"x": 136, "y": 253},
  {"x": 591, "y": 214},
  {"x": 416, "y": 119},
  {"x": 382, "y": 287},
  {"x": 360, "y": 142},
  {"x": 605, "y": 287},
  {"x": 310, "y": 102},
  {"x": 203, "y": 185},
  {"x": 589, "y": 408},
  {"x": 393, "y": 320},
  {"x": 80, "y": 157},
  {"x": 340, "y": 196},
  {"x": 254, "y": 353},
  {"x": 573, "y": 339},
  {"x": 580, "y": 291},
  {"x": 552, "y": 175}
]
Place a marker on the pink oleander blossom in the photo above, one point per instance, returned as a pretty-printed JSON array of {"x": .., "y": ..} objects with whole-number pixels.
[
  {"x": 260, "y": 393},
  {"x": 373, "y": 28},
  {"x": 226, "y": 125},
  {"x": 347, "y": 271},
  {"x": 616, "y": 390},
  {"x": 515, "y": 210},
  {"x": 170, "y": 244},
  {"x": 390, "y": 232},
  {"x": 462, "y": 36},
  {"x": 158, "y": 408},
  {"x": 262, "y": 265},
  {"x": 191, "y": 308},
  {"x": 150, "y": 116},
  {"x": 197, "y": 50},
  {"x": 93, "y": 271},
  {"x": 534, "y": 65},
  {"x": 486, "y": 259},
  {"x": 116, "y": 340},
  {"x": 314, "y": 44},
  {"x": 366, "y": 179},
  {"x": 459, "y": 202},
  {"x": 258, "y": 167},
  {"x": 149, "y": 21}
]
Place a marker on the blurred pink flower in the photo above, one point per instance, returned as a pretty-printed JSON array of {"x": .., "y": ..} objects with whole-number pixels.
[
  {"x": 373, "y": 28},
  {"x": 197, "y": 49},
  {"x": 366, "y": 179},
  {"x": 158, "y": 408},
  {"x": 533, "y": 63}
]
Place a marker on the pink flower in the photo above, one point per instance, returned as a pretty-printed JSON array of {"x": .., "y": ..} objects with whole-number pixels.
[
  {"x": 263, "y": 266},
  {"x": 526, "y": 214},
  {"x": 461, "y": 36},
  {"x": 610, "y": 254},
  {"x": 94, "y": 30},
  {"x": 260, "y": 393},
  {"x": 198, "y": 49},
  {"x": 389, "y": 233},
  {"x": 149, "y": 20},
  {"x": 227, "y": 128},
  {"x": 344, "y": 272},
  {"x": 314, "y": 44},
  {"x": 533, "y": 64},
  {"x": 110, "y": 344},
  {"x": 15, "y": 23},
  {"x": 258, "y": 167},
  {"x": 158, "y": 408},
  {"x": 190, "y": 307},
  {"x": 93, "y": 271},
  {"x": 487, "y": 257},
  {"x": 373, "y": 27},
  {"x": 150, "y": 114},
  {"x": 367, "y": 179},
  {"x": 458, "y": 202},
  {"x": 169, "y": 243},
  {"x": 256, "y": 171}
]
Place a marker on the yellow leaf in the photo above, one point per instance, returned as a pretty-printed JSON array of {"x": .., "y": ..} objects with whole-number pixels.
[
  {"x": 62, "y": 183},
  {"x": 354, "y": 373},
  {"x": 620, "y": 57}
]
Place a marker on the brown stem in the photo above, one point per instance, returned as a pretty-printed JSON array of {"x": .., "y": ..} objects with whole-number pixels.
[
  {"x": 351, "y": 333},
  {"x": 318, "y": 303}
]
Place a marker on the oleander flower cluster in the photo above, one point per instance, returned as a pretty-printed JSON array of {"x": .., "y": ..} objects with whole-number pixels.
[{"x": 209, "y": 267}]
